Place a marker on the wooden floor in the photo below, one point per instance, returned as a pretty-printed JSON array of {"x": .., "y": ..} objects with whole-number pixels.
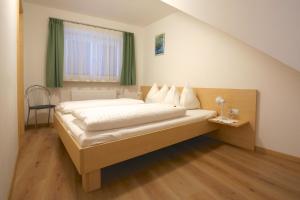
[{"x": 197, "y": 169}]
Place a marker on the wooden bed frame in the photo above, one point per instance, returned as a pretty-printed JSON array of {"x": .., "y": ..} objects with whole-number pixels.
[{"x": 109, "y": 153}]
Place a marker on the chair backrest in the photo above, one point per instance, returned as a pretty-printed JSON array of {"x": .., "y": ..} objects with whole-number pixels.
[{"x": 37, "y": 95}]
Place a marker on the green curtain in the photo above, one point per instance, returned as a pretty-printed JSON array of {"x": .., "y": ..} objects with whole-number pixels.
[
  {"x": 128, "y": 75},
  {"x": 55, "y": 54}
]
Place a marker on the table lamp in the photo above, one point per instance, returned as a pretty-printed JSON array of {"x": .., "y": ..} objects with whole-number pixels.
[{"x": 220, "y": 101}]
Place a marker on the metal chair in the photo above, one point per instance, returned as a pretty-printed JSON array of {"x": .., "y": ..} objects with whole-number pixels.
[{"x": 38, "y": 98}]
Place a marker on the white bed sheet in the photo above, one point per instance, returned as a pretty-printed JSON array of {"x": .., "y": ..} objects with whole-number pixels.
[{"x": 86, "y": 139}]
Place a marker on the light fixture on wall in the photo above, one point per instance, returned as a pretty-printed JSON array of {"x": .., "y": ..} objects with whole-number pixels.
[{"x": 220, "y": 101}]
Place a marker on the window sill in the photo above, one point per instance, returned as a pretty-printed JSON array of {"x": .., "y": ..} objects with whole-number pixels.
[{"x": 89, "y": 81}]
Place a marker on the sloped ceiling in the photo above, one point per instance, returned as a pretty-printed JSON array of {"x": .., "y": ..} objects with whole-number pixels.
[
  {"x": 272, "y": 26},
  {"x": 136, "y": 12}
]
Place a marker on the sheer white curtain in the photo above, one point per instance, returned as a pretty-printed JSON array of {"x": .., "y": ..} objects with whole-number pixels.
[{"x": 92, "y": 54}]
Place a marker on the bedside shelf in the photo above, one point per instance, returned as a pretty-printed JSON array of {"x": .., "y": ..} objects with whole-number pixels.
[{"x": 237, "y": 124}]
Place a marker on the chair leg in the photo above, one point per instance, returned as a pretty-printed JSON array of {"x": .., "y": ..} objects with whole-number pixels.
[
  {"x": 27, "y": 123},
  {"x": 49, "y": 112},
  {"x": 35, "y": 118}
]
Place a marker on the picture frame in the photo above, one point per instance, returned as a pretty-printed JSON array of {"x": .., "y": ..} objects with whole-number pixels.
[{"x": 159, "y": 44}]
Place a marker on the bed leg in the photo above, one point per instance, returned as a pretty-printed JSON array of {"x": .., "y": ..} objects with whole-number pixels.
[{"x": 91, "y": 181}]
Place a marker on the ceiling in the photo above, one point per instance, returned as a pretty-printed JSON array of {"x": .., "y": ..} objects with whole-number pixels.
[
  {"x": 136, "y": 12},
  {"x": 271, "y": 26}
]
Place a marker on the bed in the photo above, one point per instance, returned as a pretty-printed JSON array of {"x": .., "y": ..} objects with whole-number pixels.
[
  {"x": 86, "y": 139},
  {"x": 92, "y": 152}
]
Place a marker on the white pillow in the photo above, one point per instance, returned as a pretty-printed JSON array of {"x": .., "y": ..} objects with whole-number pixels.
[
  {"x": 172, "y": 97},
  {"x": 188, "y": 98},
  {"x": 154, "y": 89},
  {"x": 159, "y": 96}
]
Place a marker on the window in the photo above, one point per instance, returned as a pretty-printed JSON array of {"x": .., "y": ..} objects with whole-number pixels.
[{"x": 92, "y": 54}]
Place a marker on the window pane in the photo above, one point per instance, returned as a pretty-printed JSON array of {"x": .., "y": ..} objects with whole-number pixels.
[{"x": 92, "y": 54}]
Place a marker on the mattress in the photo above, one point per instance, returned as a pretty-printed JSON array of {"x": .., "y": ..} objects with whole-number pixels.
[
  {"x": 112, "y": 117},
  {"x": 69, "y": 106},
  {"x": 85, "y": 138}
]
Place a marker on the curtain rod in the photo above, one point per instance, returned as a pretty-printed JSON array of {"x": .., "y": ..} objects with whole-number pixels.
[{"x": 95, "y": 26}]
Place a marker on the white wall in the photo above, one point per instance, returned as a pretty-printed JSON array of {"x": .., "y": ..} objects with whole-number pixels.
[
  {"x": 206, "y": 57},
  {"x": 272, "y": 26},
  {"x": 36, "y": 19},
  {"x": 8, "y": 98}
]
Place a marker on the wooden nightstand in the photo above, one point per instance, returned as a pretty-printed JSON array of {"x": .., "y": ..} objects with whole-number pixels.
[{"x": 239, "y": 123}]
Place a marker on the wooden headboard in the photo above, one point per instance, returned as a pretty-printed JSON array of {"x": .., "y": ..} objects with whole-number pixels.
[{"x": 242, "y": 99}]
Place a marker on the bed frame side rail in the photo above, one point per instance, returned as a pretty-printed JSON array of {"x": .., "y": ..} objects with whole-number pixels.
[{"x": 121, "y": 150}]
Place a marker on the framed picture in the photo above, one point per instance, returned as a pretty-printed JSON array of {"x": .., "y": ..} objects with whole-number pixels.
[{"x": 160, "y": 44}]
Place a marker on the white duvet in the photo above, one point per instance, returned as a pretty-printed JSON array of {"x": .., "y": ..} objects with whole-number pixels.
[
  {"x": 88, "y": 138},
  {"x": 112, "y": 117},
  {"x": 68, "y": 107}
]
